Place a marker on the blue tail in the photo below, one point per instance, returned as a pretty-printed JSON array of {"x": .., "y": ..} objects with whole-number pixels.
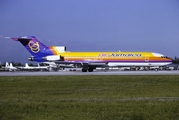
[{"x": 35, "y": 47}]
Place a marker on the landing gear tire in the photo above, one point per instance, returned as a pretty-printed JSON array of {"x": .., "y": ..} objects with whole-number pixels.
[
  {"x": 84, "y": 70},
  {"x": 90, "y": 70}
]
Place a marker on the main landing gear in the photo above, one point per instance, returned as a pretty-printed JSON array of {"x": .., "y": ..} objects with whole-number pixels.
[{"x": 87, "y": 69}]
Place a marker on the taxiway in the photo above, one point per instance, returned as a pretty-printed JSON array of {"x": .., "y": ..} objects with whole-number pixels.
[{"x": 59, "y": 73}]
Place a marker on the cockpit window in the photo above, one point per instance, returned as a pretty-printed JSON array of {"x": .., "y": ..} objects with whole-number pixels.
[{"x": 164, "y": 57}]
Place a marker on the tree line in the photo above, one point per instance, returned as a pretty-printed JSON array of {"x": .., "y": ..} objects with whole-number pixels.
[{"x": 175, "y": 60}]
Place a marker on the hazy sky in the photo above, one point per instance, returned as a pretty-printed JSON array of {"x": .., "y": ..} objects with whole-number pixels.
[{"x": 90, "y": 25}]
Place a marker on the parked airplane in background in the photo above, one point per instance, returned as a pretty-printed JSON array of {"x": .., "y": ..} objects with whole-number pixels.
[
  {"x": 42, "y": 67},
  {"x": 90, "y": 60},
  {"x": 55, "y": 66},
  {"x": 27, "y": 67},
  {"x": 10, "y": 67}
]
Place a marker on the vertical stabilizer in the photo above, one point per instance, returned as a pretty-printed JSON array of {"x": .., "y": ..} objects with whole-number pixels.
[
  {"x": 6, "y": 65},
  {"x": 26, "y": 65},
  {"x": 34, "y": 46},
  {"x": 11, "y": 66}
]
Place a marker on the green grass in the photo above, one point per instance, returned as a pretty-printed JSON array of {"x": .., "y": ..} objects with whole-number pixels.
[{"x": 89, "y": 98}]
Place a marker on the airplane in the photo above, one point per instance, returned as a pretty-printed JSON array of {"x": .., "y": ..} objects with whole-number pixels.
[
  {"x": 27, "y": 67},
  {"x": 42, "y": 67},
  {"x": 90, "y": 60},
  {"x": 10, "y": 67}
]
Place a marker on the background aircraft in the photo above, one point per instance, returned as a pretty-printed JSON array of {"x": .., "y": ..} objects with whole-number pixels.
[
  {"x": 42, "y": 67},
  {"x": 10, "y": 67},
  {"x": 90, "y": 60},
  {"x": 27, "y": 67}
]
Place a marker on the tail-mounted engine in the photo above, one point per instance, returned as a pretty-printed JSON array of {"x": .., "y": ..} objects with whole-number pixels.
[{"x": 47, "y": 58}]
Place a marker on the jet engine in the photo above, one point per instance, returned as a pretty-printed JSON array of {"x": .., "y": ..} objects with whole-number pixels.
[
  {"x": 38, "y": 59},
  {"x": 52, "y": 57},
  {"x": 46, "y": 58}
]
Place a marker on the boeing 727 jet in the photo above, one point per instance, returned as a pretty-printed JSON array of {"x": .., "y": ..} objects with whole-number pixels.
[{"x": 90, "y": 60}]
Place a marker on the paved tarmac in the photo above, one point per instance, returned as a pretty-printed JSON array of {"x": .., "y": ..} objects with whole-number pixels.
[{"x": 60, "y": 73}]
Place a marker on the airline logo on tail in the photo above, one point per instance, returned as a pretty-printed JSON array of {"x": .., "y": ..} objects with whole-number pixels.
[
  {"x": 34, "y": 46},
  {"x": 37, "y": 49}
]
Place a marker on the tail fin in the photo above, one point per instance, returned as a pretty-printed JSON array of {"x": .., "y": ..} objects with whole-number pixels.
[
  {"x": 7, "y": 65},
  {"x": 26, "y": 65},
  {"x": 35, "y": 47},
  {"x": 11, "y": 66}
]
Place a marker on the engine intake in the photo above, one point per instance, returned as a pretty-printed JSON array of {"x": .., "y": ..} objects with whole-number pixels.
[{"x": 38, "y": 59}]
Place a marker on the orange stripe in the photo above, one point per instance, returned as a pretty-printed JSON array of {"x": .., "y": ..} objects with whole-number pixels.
[{"x": 55, "y": 52}]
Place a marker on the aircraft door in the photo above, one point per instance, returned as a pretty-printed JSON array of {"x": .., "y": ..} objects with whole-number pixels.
[
  {"x": 146, "y": 58},
  {"x": 66, "y": 58}
]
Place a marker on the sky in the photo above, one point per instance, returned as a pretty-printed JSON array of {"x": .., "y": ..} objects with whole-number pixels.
[{"x": 90, "y": 25}]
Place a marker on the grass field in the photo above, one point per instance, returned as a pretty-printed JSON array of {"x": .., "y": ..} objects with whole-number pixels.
[{"x": 89, "y": 98}]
